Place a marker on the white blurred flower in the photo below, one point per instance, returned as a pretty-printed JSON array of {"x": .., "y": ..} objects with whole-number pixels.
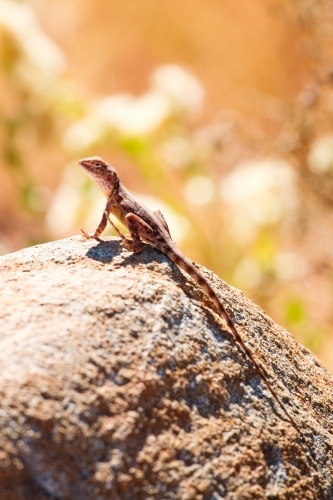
[
  {"x": 215, "y": 134},
  {"x": 287, "y": 266},
  {"x": 62, "y": 214},
  {"x": 83, "y": 133},
  {"x": 184, "y": 88},
  {"x": 178, "y": 151},
  {"x": 41, "y": 53},
  {"x": 248, "y": 273},
  {"x": 321, "y": 155},
  {"x": 178, "y": 225},
  {"x": 199, "y": 190},
  {"x": 290, "y": 266},
  {"x": 135, "y": 115},
  {"x": 259, "y": 193}
]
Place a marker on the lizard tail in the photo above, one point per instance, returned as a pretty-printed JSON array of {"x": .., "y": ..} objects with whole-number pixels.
[{"x": 181, "y": 261}]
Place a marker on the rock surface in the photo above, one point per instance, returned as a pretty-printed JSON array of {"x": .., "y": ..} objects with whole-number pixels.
[{"x": 120, "y": 381}]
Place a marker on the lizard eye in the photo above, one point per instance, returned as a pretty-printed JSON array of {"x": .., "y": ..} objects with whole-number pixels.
[{"x": 98, "y": 164}]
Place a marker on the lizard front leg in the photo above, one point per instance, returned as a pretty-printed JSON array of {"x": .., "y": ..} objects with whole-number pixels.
[{"x": 101, "y": 226}]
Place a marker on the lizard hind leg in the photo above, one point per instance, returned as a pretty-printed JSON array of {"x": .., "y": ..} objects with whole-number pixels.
[
  {"x": 127, "y": 242},
  {"x": 138, "y": 229}
]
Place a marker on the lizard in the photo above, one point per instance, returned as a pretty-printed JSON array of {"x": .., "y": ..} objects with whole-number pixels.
[{"x": 151, "y": 227}]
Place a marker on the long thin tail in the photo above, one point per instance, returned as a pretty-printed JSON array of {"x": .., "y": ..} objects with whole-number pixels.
[{"x": 185, "y": 264}]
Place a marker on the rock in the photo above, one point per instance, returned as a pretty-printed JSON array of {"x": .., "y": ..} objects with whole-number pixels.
[{"x": 120, "y": 381}]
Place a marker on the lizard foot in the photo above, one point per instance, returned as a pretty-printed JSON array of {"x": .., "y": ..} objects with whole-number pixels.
[
  {"x": 132, "y": 245},
  {"x": 87, "y": 235}
]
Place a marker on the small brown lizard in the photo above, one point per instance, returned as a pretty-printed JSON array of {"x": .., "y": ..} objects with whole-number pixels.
[{"x": 152, "y": 228}]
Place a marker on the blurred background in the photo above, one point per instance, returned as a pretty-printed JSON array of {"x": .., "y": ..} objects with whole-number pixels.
[{"x": 218, "y": 113}]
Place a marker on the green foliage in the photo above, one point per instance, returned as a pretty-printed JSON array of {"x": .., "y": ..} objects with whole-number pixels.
[{"x": 295, "y": 311}]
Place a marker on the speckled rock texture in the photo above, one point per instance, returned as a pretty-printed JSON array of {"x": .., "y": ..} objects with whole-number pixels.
[{"x": 118, "y": 380}]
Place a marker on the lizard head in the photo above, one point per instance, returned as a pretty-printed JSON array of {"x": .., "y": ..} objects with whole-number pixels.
[{"x": 101, "y": 173}]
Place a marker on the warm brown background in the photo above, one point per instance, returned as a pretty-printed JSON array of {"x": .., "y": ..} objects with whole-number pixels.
[{"x": 235, "y": 48}]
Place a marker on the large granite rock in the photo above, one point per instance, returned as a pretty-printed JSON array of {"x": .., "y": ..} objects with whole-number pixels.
[{"x": 118, "y": 380}]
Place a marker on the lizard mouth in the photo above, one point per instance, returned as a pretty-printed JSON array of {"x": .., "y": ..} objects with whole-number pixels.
[{"x": 84, "y": 164}]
